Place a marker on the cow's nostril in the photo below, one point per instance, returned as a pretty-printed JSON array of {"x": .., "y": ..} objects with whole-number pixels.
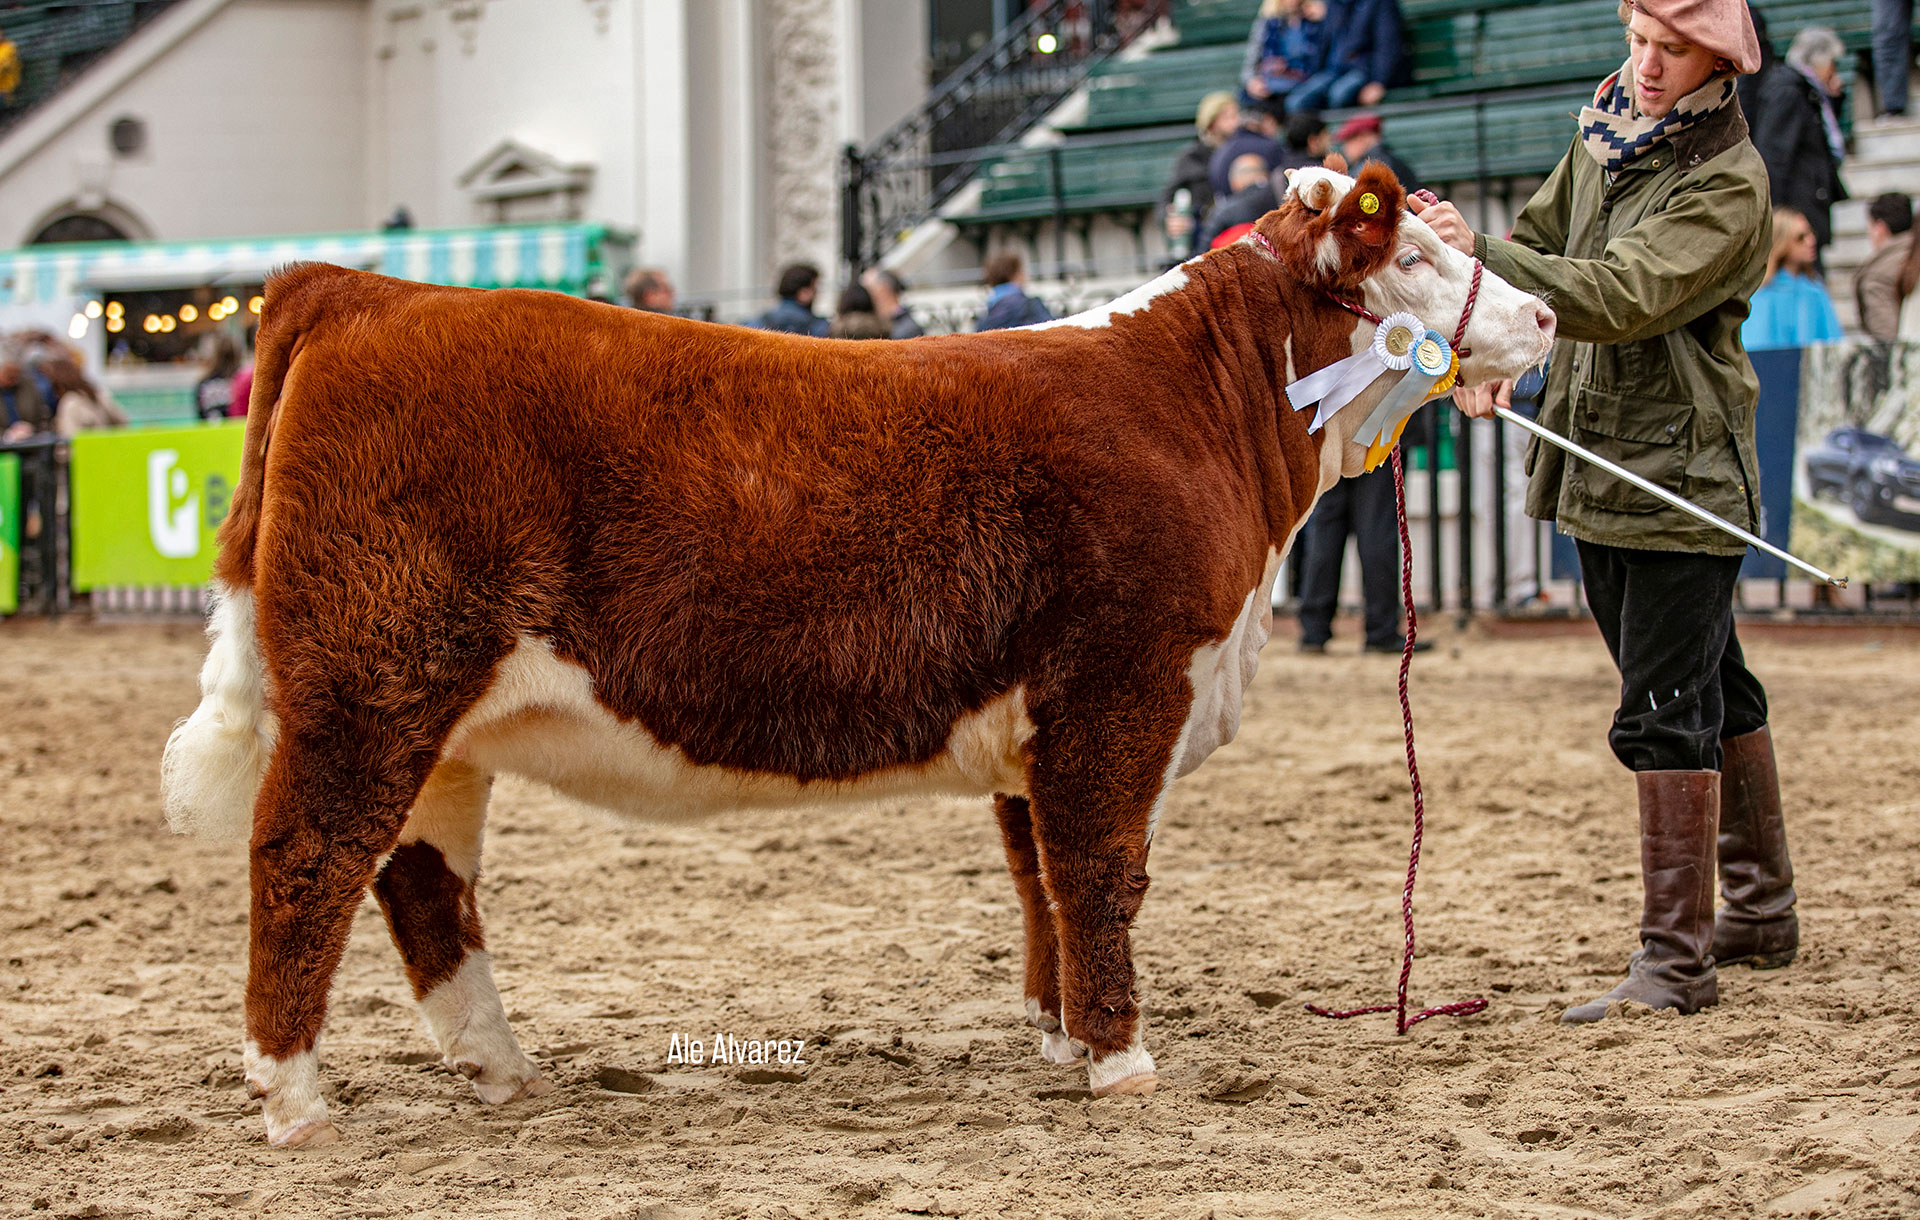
[{"x": 1543, "y": 317}]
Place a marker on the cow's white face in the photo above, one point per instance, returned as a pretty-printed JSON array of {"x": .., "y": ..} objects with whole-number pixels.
[{"x": 1508, "y": 332}]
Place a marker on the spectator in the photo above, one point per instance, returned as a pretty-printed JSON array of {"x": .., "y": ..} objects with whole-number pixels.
[
  {"x": 81, "y": 403},
  {"x": 799, "y": 284},
  {"x": 1307, "y": 144},
  {"x": 22, "y": 399},
  {"x": 1364, "y": 52},
  {"x": 1797, "y": 130},
  {"x": 1909, "y": 286},
  {"x": 1892, "y": 55},
  {"x": 886, "y": 289},
  {"x": 1258, "y": 133},
  {"x": 213, "y": 396},
  {"x": 242, "y": 393},
  {"x": 1007, "y": 301},
  {"x": 1876, "y": 287},
  {"x": 1365, "y": 507},
  {"x": 649, "y": 289},
  {"x": 1282, "y": 47},
  {"x": 1253, "y": 197},
  {"x": 1791, "y": 308},
  {"x": 1748, "y": 86},
  {"x": 854, "y": 316},
  {"x": 1216, "y": 119},
  {"x": 1360, "y": 142}
]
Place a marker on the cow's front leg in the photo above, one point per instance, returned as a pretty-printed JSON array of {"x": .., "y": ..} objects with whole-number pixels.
[
  {"x": 1043, "y": 944},
  {"x": 427, "y": 891},
  {"x": 1098, "y": 767}
]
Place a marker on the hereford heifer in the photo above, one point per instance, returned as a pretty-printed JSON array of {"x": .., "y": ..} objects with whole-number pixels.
[{"x": 670, "y": 567}]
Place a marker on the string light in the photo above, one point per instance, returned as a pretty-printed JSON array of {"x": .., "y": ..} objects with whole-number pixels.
[
  {"x": 167, "y": 324},
  {"x": 150, "y": 324},
  {"x": 229, "y": 305},
  {"x": 116, "y": 310},
  {"x": 77, "y": 329},
  {"x": 116, "y": 325},
  {"x": 188, "y": 313},
  {"x": 1046, "y": 44},
  {"x": 93, "y": 309},
  {"x": 255, "y": 305}
]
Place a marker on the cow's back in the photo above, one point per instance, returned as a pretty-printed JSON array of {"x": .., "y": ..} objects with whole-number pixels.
[{"x": 772, "y": 554}]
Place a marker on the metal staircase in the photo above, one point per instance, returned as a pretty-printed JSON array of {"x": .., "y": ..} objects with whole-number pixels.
[
  {"x": 1033, "y": 64},
  {"x": 54, "y": 41}
]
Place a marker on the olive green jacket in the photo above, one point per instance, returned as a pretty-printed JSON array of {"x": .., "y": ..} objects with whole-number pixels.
[{"x": 1649, "y": 275}]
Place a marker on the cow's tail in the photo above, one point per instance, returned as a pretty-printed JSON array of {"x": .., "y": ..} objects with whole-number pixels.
[{"x": 216, "y": 758}]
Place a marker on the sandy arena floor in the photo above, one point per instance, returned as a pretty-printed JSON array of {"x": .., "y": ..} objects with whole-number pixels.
[{"x": 890, "y": 939}]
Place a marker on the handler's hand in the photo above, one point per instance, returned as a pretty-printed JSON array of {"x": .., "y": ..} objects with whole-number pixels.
[
  {"x": 1478, "y": 402},
  {"x": 1446, "y": 222}
]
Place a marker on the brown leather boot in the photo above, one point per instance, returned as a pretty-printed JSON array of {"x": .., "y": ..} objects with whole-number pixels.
[
  {"x": 1673, "y": 967},
  {"x": 1757, "y": 925}
]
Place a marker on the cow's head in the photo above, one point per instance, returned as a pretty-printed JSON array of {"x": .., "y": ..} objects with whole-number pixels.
[{"x": 1355, "y": 239}]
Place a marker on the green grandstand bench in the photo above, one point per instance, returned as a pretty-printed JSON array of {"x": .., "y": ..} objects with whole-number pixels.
[
  {"x": 1546, "y": 44},
  {"x": 1165, "y": 87}
]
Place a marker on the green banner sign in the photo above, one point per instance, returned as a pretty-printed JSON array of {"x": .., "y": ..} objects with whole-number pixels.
[
  {"x": 9, "y": 533},
  {"x": 146, "y": 504}
]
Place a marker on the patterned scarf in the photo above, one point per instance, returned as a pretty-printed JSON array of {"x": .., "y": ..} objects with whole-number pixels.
[{"x": 1615, "y": 135}]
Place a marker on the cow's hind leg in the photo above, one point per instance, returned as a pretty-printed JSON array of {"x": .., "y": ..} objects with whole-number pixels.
[
  {"x": 426, "y": 889},
  {"x": 1097, "y": 769},
  {"x": 1043, "y": 944},
  {"x": 325, "y": 815}
]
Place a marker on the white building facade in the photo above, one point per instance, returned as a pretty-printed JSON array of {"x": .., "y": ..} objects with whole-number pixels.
[{"x": 709, "y": 129}]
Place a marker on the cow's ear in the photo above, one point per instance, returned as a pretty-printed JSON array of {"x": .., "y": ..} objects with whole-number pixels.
[{"x": 1366, "y": 225}]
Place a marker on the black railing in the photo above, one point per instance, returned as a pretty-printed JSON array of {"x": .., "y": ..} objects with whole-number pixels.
[
  {"x": 55, "y": 41},
  {"x": 42, "y": 526},
  {"x": 1002, "y": 90}
]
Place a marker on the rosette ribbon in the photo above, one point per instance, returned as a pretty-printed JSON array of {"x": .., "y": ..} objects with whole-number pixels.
[
  {"x": 1401, "y": 344},
  {"x": 1434, "y": 368}
]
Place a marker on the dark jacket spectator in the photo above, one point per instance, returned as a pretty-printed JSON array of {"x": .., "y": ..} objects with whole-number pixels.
[
  {"x": 886, "y": 289},
  {"x": 1307, "y": 144},
  {"x": 1217, "y": 118},
  {"x": 1892, "y": 54},
  {"x": 1876, "y": 286},
  {"x": 854, "y": 316},
  {"x": 794, "y": 314},
  {"x": 1253, "y": 197},
  {"x": 1797, "y": 130},
  {"x": 1008, "y": 304},
  {"x": 1360, "y": 141},
  {"x": 1259, "y": 132},
  {"x": 1748, "y": 86},
  {"x": 24, "y": 409},
  {"x": 213, "y": 396},
  {"x": 1282, "y": 48},
  {"x": 1364, "y": 53}
]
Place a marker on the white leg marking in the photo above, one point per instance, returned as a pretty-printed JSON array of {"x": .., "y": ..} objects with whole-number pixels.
[
  {"x": 1127, "y": 1071},
  {"x": 289, "y": 1090},
  {"x": 1057, "y": 1047},
  {"x": 465, "y": 1017}
]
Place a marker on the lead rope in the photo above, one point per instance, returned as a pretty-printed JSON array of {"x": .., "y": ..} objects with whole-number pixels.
[{"x": 1402, "y": 1022}]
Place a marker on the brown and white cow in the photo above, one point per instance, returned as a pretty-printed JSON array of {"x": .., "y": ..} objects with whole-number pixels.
[{"x": 669, "y": 567}]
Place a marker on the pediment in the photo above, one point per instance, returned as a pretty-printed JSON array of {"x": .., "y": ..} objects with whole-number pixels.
[{"x": 512, "y": 170}]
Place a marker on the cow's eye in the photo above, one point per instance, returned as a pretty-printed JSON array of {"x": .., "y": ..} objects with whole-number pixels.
[{"x": 1409, "y": 260}]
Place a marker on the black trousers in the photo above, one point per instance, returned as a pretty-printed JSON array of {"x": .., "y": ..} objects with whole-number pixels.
[
  {"x": 1668, "y": 621},
  {"x": 1364, "y": 507}
]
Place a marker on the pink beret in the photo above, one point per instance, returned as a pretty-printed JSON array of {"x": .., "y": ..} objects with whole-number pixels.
[{"x": 1720, "y": 26}]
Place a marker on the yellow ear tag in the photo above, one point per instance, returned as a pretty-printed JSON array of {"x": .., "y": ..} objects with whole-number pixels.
[
  {"x": 1369, "y": 203},
  {"x": 1380, "y": 451}
]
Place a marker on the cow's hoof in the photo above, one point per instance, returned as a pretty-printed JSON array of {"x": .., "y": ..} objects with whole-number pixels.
[
  {"x": 1056, "y": 1047},
  {"x": 497, "y": 1088},
  {"x": 313, "y": 1133},
  {"x": 1127, "y": 1071}
]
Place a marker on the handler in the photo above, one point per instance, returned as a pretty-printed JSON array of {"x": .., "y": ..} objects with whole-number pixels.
[{"x": 1647, "y": 239}]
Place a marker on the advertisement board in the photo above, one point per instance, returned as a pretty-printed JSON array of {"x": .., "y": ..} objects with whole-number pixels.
[
  {"x": 9, "y": 533},
  {"x": 146, "y": 503},
  {"x": 1856, "y": 483}
]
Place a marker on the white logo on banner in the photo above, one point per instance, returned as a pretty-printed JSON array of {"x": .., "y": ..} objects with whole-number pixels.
[{"x": 175, "y": 531}]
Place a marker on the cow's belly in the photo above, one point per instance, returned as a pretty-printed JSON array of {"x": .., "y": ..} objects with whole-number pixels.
[{"x": 539, "y": 719}]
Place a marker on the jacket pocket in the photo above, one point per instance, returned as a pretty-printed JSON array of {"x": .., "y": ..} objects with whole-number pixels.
[{"x": 1649, "y": 436}]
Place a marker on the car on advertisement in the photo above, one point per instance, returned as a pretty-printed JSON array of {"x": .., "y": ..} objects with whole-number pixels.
[{"x": 1872, "y": 473}]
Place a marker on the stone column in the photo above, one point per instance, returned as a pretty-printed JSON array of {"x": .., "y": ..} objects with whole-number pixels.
[{"x": 804, "y": 100}]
